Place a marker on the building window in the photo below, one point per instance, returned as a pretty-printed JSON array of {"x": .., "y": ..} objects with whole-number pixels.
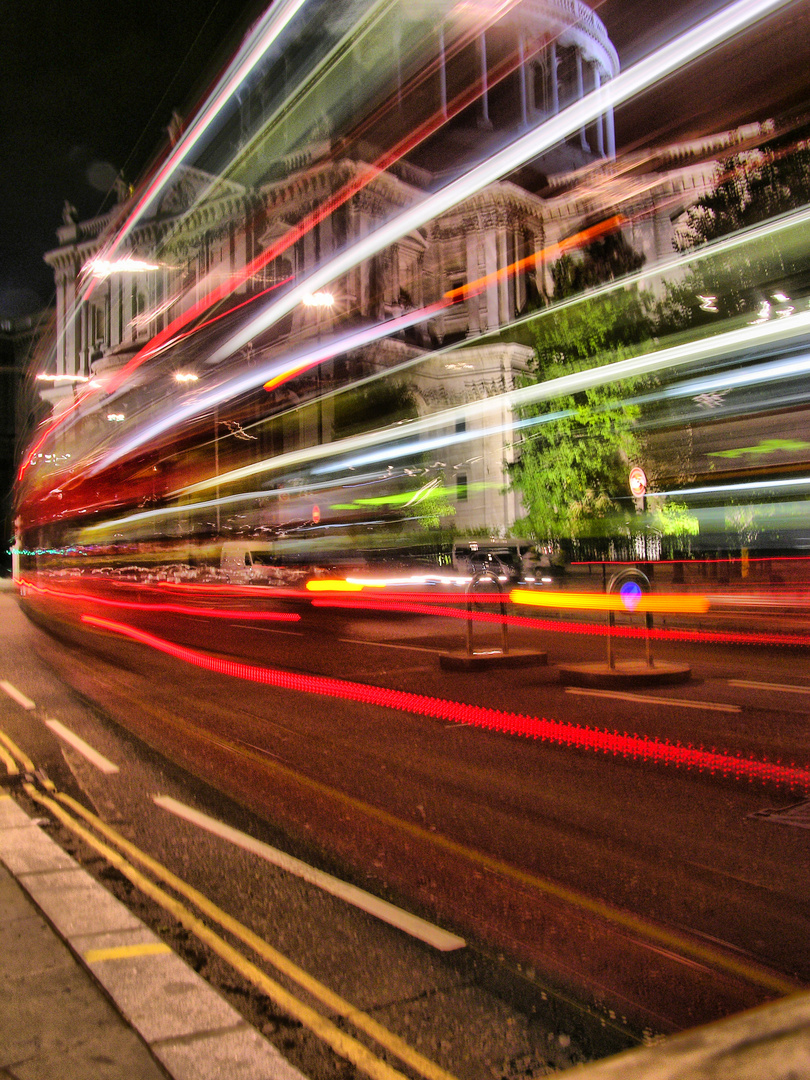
[{"x": 461, "y": 487}]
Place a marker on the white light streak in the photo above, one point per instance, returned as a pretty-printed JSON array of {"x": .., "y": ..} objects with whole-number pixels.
[
  {"x": 42, "y": 377},
  {"x": 709, "y": 385},
  {"x": 251, "y": 379},
  {"x": 102, "y": 268},
  {"x": 640, "y": 76},
  {"x": 748, "y": 485},
  {"x": 262, "y": 37},
  {"x": 719, "y": 346},
  {"x": 636, "y": 78}
]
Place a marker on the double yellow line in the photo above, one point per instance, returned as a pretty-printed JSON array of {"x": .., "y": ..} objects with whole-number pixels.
[{"x": 67, "y": 810}]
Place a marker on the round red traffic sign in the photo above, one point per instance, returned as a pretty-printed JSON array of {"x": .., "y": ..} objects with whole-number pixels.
[{"x": 638, "y": 481}]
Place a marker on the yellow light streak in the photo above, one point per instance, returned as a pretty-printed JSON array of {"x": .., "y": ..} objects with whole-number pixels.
[
  {"x": 669, "y": 603},
  {"x": 333, "y": 585}
]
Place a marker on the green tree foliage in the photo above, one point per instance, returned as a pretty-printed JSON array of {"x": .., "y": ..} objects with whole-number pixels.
[
  {"x": 670, "y": 518},
  {"x": 572, "y": 465},
  {"x": 750, "y": 188},
  {"x": 603, "y": 260}
]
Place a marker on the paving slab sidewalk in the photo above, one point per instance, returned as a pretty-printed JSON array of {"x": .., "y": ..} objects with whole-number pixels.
[{"x": 90, "y": 993}]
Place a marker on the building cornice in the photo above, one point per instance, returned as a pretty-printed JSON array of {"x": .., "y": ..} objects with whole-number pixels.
[{"x": 493, "y": 206}]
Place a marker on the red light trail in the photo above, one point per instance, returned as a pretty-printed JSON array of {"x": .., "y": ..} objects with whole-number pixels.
[
  {"x": 717, "y": 637},
  {"x": 639, "y": 748},
  {"x": 173, "y": 609}
]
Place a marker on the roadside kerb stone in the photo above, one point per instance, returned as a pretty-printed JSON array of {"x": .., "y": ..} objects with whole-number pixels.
[{"x": 188, "y": 1026}]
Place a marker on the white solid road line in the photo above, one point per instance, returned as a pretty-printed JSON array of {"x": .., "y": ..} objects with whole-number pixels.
[
  {"x": 769, "y": 686},
  {"x": 679, "y": 702},
  {"x": 381, "y": 909},
  {"x": 17, "y": 695},
  {"x": 87, "y": 751}
]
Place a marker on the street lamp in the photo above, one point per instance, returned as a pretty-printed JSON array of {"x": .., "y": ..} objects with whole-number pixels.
[{"x": 319, "y": 300}]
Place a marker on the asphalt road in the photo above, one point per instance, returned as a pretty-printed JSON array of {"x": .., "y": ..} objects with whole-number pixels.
[{"x": 587, "y": 885}]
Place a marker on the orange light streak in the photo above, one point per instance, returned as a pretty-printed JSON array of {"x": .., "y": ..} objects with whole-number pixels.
[{"x": 580, "y": 239}]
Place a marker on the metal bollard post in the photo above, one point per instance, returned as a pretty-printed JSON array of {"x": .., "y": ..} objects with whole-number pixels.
[{"x": 492, "y": 576}]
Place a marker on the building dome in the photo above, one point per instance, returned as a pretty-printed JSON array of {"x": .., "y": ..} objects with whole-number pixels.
[{"x": 529, "y": 63}]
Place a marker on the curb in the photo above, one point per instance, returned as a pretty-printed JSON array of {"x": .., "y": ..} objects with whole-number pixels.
[{"x": 189, "y": 1028}]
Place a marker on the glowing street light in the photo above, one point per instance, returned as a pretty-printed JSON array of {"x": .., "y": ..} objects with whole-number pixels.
[
  {"x": 318, "y": 300},
  {"x": 102, "y": 268},
  {"x": 186, "y": 377}
]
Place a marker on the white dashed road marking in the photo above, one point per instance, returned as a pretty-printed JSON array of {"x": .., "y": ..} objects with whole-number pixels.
[
  {"x": 17, "y": 695},
  {"x": 87, "y": 751}
]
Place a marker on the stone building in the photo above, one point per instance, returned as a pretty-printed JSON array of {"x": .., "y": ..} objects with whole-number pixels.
[
  {"x": 207, "y": 228},
  {"x": 20, "y": 337}
]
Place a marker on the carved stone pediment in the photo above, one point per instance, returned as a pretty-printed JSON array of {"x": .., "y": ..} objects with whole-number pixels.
[{"x": 192, "y": 187}]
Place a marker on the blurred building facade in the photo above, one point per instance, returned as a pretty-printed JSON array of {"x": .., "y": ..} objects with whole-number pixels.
[
  {"x": 207, "y": 228},
  {"x": 19, "y": 406}
]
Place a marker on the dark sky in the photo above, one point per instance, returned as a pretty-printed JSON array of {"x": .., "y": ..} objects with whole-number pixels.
[
  {"x": 86, "y": 89},
  {"x": 759, "y": 75},
  {"x": 88, "y": 86}
]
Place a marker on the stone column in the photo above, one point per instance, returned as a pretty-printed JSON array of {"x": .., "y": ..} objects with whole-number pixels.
[
  {"x": 442, "y": 74},
  {"x": 531, "y": 88},
  {"x": 61, "y": 322},
  {"x": 240, "y": 251},
  {"x": 490, "y": 245},
  {"x": 84, "y": 337},
  {"x": 70, "y": 323},
  {"x": 524, "y": 115},
  {"x": 503, "y": 282},
  {"x": 117, "y": 303},
  {"x": 555, "y": 86},
  {"x": 484, "y": 121},
  {"x": 583, "y": 141},
  {"x": 600, "y": 138},
  {"x": 126, "y": 291},
  {"x": 473, "y": 273},
  {"x": 166, "y": 296},
  {"x": 611, "y": 135},
  {"x": 520, "y": 276}
]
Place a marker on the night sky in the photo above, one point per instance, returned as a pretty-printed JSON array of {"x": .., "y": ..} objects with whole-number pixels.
[{"x": 87, "y": 88}]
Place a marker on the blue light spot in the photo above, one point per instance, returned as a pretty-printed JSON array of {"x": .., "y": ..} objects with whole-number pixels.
[{"x": 630, "y": 593}]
